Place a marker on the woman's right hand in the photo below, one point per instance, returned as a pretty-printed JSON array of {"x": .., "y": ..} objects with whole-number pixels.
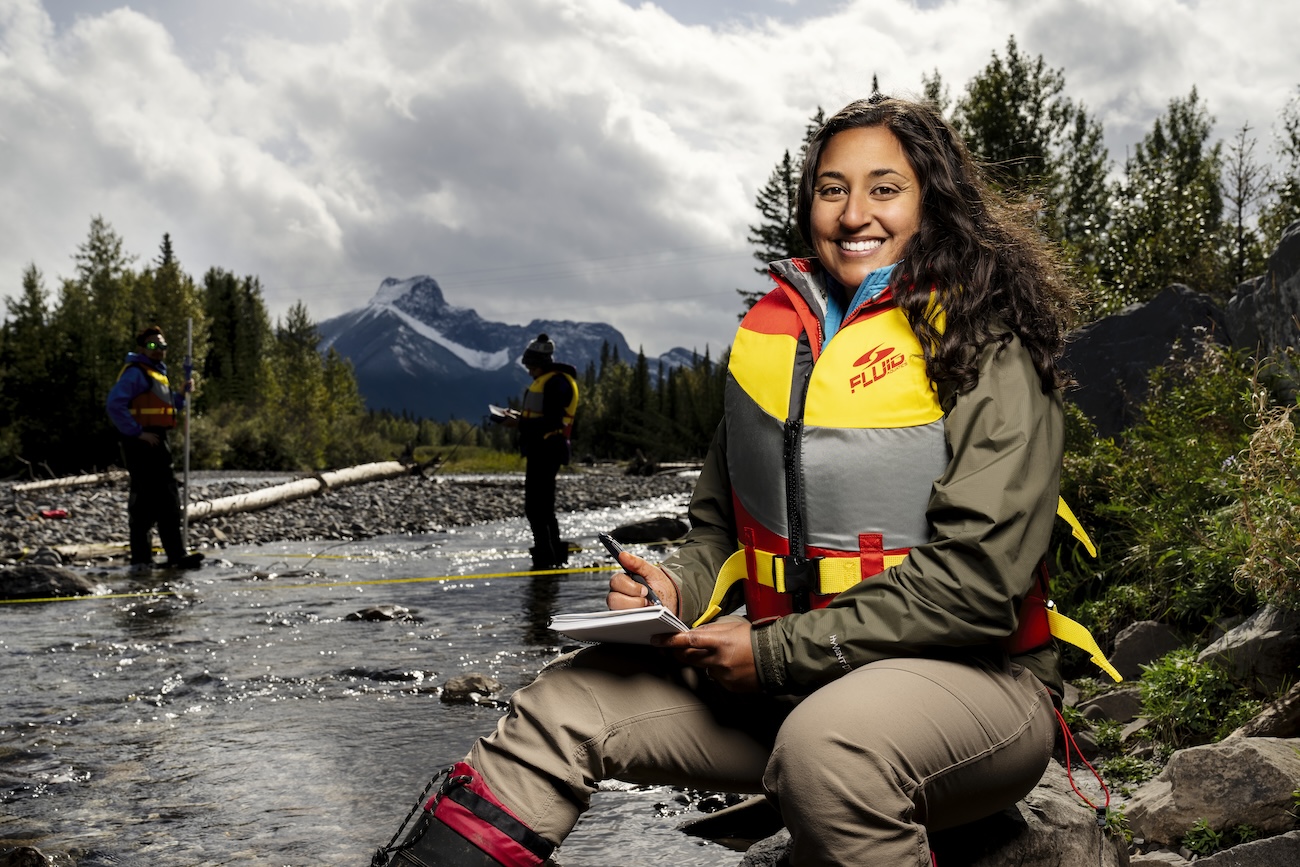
[{"x": 626, "y": 593}]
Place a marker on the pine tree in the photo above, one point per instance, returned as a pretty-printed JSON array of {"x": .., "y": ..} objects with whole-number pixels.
[
  {"x": 777, "y": 234},
  {"x": 1037, "y": 144},
  {"x": 1283, "y": 209},
  {"x": 1244, "y": 185},
  {"x": 24, "y": 374},
  {"x": 1168, "y": 211},
  {"x": 238, "y": 340},
  {"x": 93, "y": 328}
]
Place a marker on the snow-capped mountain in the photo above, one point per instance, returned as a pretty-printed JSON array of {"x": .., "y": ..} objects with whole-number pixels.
[{"x": 413, "y": 351}]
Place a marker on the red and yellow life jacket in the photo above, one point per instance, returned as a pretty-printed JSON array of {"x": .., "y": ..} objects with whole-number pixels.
[
  {"x": 155, "y": 407},
  {"x": 859, "y": 431}
]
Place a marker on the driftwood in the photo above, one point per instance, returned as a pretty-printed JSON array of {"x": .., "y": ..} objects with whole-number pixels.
[
  {"x": 71, "y": 481},
  {"x": 296, "y": 490}
]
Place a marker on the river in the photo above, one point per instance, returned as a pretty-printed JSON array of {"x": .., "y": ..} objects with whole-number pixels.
[{"x": 235, "y": 716}]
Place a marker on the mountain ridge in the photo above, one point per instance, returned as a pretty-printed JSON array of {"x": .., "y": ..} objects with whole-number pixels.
[{"x": 413, "y": 352}]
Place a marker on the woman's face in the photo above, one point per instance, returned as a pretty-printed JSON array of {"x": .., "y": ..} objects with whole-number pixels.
[{"x": 866, "y": 203}]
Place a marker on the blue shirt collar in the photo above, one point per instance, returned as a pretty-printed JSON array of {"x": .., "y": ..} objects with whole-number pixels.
[{"x": 868, "y": 290}]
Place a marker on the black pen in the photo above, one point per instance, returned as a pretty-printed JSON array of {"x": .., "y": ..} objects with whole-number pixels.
[{"x": 615, "y": 549}]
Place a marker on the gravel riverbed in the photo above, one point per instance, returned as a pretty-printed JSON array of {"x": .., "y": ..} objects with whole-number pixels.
[{"x": 96, "y": 515}]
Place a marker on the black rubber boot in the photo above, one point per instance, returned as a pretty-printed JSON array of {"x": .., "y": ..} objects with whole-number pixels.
[
  {"x": 433, "y": 844},
  {"x": 464, "y": 825}
]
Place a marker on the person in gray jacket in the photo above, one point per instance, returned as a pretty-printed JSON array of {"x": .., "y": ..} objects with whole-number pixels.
[{"x": 866, "y": 540}]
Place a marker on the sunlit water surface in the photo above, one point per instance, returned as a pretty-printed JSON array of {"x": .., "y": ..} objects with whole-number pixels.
[{"x": 238, "y": 717}]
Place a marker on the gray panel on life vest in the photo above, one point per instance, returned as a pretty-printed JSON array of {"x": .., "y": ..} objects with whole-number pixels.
[
  {"x": 754, "y": 462},
  {"x": 870, "y": 481}
]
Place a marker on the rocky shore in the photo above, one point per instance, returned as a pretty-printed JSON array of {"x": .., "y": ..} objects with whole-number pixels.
[{"x": 417, "y": 503}]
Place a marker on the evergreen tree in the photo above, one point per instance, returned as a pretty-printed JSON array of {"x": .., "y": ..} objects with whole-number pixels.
[
  {"x": 777, "y": 234},
  {"x": 94, "y": 323},
  {"x": 1244, "y": 183},
  {"x": 1035, "y": 143},
  {"x": 297, "y": 404},
  {"x": 1168, "y": 212},
  {"x": 1284, "y": 189},
  {"x": 936, "y": 92},
  {"x": 236, "y": 363},
  {"x": 176, "y": 306},
  {"x": 24, "y": 373}
]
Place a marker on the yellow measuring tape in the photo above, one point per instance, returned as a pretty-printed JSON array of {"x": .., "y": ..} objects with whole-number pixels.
[{"x": 479, "y": 576}]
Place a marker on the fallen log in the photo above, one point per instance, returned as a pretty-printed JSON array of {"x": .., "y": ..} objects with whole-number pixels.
[
  {"x": 299, "y": 489},
  {"x": 71, "y": 481}
]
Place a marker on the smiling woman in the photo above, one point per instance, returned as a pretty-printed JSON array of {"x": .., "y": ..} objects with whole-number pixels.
[
  {"x": 878, "y": 498},
  {"x": 867, "y": 204}
]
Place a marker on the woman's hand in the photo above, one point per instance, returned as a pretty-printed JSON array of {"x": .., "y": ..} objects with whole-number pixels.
[
  {"x": 626, "y": 593},
  {"x": 721, "y": 649}
]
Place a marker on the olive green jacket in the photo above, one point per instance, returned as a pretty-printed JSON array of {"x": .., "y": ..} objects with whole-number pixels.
[{"x": 991, "y": 515}]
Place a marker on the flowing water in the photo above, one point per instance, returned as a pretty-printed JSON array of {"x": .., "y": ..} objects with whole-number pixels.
[{"x": 234, "y": 715}]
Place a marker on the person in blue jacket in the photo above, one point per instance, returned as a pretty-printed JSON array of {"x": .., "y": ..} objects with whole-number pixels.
[{"x": 143, "y": 408}]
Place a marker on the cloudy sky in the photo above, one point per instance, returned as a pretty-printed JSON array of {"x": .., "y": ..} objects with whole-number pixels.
[{"x": 570, "y": 159}]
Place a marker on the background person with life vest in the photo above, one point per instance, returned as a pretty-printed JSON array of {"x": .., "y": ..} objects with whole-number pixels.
[
  {"x": 879, "y": 496},
  {"x": 143, "y": 408},
  {"x": 545, "y": 423}
]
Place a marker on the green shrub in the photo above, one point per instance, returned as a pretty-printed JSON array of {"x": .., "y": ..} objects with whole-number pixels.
[
  {"x": 1190, "y": 703},
  {"x": 1161, "y": 502},
  {"x": 1203, "y": 840},
  {"x": 1127, "y": 769},
  {"x": 1270, "y": 506},
  {"x": 1108, "y": 734}
]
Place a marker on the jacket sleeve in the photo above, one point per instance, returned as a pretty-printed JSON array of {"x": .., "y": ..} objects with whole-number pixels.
[
  {"x": 991, "y": 515},
  {"x": 712, "y": 537},
  {"x": 130, "y": 385}
]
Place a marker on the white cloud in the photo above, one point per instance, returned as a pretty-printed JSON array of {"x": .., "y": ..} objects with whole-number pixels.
[{"x": 584, "y": 159}]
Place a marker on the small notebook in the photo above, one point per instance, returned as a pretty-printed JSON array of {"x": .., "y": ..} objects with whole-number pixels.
[{"x": 625, "y": 626}]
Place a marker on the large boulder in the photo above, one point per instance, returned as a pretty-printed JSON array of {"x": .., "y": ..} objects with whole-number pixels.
[
  {"x": 1140, "y": 644},
  {"x": 1263, "y": 652},
  {"x": 1264, "y": 313},
  {"x": 1282, "y": 850},
  {"x": 1051, "y": 827},
  {"x": 40, "y": 581},
  {"x": 1238, "y": 781},
  {"x": 1112, "y": 358},
  {"x": 1278, "y": 719}
]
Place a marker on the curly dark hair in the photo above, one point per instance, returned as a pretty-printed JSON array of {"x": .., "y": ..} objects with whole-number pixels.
[{"x": 989, "y": 267}]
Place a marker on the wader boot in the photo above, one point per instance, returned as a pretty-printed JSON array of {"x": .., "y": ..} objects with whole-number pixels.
[{"x": 464, "y": 825}]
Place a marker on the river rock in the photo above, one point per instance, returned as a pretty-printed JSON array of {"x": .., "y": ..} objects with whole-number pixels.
[
  {"x": 1112, "y": 358},
  {"x": 470, "y": 688},
  {"x": 1282, "y": 850},
  {"x": 379, "y": 613},
  {"x": 1239, "y": 781},
  {"x": 23, "y": 856},
  {"x": 1262, "y": 314},
  {"x": 1263, "y": 652},
  {"x": 1049, "y": 827},
  {"x": 1120, "y": 705},
  {"x": 1279, "y": 719},
  {"x": 653, "y": 530},
  {"x": 34, "y": 581},
  {"x": 1140, "y": 644}
]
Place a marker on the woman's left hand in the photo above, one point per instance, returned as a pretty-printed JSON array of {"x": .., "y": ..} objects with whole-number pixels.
[{"x": 721, "y": 648}]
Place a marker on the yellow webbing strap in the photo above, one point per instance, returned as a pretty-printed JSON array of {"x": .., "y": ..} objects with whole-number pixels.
[
  {"x": 1075, "y": 633},
  {"x": 1063, "y": 627},
  {"x": 1076, "y": 529},
  {"x": 732, "y": 571},
  {"x": 835, "y": 575}
]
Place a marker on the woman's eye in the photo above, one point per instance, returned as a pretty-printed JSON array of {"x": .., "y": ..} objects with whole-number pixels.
[
  {"x": 831, "y": 191},
  {"x": 884, "y": 190}
]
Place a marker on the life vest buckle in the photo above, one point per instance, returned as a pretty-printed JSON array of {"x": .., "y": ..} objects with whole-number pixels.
[{"x": 799, "y": 577}]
